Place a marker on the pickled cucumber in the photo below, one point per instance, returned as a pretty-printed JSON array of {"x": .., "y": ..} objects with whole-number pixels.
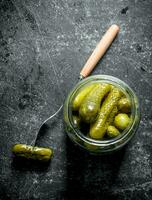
[
  {"x": 81, "y": 95},
  {"x": 32, "y": 152},
  {"x": 121, "y": 121},
  {"x": 110, "y": 119},
  {"x": 98, "y": 128},
  {"x": 91, "y": 104},
  {"x": 112, "y": 131},
  {"x": 124, "y": 105},
  {"x": 112, "y": 115}
]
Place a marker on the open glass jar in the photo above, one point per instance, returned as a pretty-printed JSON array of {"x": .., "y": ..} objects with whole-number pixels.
[{"x": 106, "y": 145}]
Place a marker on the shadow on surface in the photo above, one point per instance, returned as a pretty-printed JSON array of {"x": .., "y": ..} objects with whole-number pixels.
[
  {"x": 23, "y": 164},
  {"x": 91, "y": 176}
]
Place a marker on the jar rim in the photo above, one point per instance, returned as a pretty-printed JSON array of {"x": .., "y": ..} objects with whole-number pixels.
[{"x": 135, "y": 110}]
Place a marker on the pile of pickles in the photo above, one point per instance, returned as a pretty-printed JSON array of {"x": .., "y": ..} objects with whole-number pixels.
[{"x": 101, "y": 111}]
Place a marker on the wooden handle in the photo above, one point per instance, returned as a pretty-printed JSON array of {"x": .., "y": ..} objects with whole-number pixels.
[{"x": 99, "y": 51}]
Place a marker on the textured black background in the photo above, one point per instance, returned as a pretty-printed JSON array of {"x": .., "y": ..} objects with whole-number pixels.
[{"x": 43, "y": 46}]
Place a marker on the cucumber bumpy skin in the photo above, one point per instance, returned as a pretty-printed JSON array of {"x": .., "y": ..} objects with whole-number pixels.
[
  {"x": 112, "y": 131},
  {"x": 90, "y": 106},
  {"x": 98, "y": 128},
  {"x": 124, "y": 105},
  {"x": 32, "y": 152},
  {"x": 110, "y": 119},
  {"x": 81, "y": 95},
  {"x": 108, "y": 122},
  {"x": 111, "y": 116}
]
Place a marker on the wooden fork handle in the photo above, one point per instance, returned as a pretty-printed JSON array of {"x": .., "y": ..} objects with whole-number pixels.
[{"x": 100, "y": 49}]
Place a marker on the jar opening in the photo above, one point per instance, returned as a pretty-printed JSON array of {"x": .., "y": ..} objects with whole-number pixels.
[{"x": 125, "y": 89}]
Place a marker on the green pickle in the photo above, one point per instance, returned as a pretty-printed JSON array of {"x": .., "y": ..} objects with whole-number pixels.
[
  {"x": 98, "y": 128},
  {"x": 81, "y": 95},
  {"x": 32, "y": 152},
  {"x": 112, "y": 115},
  {"x": 112, "y": 131},
  {"x": 90, "y": 106},
  {"x": 110, "y": 119},
  {"x": 121, "y": 121},
  {"x": 124, "y": 105}
]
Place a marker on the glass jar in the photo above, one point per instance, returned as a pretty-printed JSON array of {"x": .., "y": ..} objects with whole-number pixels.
[{"x": 106, "y": 145}]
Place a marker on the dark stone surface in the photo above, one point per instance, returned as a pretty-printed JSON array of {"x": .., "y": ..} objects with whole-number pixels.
[{"x": 43, "y": 45}]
